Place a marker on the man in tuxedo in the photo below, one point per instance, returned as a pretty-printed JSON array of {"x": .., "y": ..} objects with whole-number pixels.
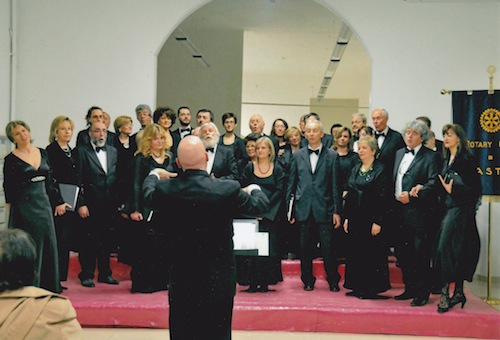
[
  {"x": 202, "y": 272},
  {"x": 97, "y": 202},
  {"x": 184, "y": 129},
  {"x": 94, "y": 114},
  {"x": 257, "y": 124},
  {"x": 326, "y": 139},
  {"x": 144, "y": 116},
  {"x": 204, "y": 116},
  {"x": 313, "y": 184},
  {"x": 358, "y": 120},
  {"x": 415, "y": 176},
  {"x": 389, "y": 140},
  {"x": 221, "y": 162}
]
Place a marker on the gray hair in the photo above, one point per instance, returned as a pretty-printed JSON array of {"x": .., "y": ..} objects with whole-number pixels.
[
  {"x": 141, "y": 107},
  {"x": 420, "y": 127},
  {"x": 212, "y": 125},
  {"x": 371, "y": 142},
  {"x": 363, "y": 117}
]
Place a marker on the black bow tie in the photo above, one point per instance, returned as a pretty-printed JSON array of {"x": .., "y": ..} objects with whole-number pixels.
[
  {"x": 410, "y": 150},
  {"x": 313, "y": 151},
  {"x": 210, "y": 149},
  {"x": 186, "y": 129},
  {"x": 99, "y": 148},
  {"x": 380, "y": 134}
]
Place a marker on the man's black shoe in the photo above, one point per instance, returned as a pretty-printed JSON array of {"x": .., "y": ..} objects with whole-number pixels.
[
  {"x": 308, "y": 288},
  {"x": 109, "y": 280},
  {"x": 407, "y": 295},
  {"x": 334, "y": 287},
  {"x": 88, "y": 283}
]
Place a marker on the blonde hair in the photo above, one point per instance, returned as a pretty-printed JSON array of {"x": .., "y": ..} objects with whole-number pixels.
[
  {"x": 12, "y": 125},
  {"x": 269, "y": 143},
  {"x": 121, "y": 121},
  {"x": 54, "y": 126},
  {"x": 148, "y": 134}
]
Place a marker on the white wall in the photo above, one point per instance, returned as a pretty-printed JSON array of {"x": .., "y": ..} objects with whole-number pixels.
[
  {"x": 4, "y": 63},
  {"x": 73, "y": 54},
  {"x": 417, "y": 49}
]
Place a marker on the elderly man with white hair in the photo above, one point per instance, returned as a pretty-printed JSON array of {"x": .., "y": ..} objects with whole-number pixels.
[{"x": 221, "y": 162}]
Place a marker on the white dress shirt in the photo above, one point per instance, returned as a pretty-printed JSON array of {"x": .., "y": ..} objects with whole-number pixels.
[{"x": 403, "y": 168}]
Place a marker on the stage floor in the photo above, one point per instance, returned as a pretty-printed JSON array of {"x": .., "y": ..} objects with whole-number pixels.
[{"x": 289, "y": 308}]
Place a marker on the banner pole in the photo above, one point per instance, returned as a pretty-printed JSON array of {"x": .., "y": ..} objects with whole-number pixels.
[{"x": 489, "y": 300}]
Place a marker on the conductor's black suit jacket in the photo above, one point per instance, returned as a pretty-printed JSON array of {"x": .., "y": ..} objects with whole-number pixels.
[
  {"x": 198, "y": 211},
  {"x": 317, "y": 193}
]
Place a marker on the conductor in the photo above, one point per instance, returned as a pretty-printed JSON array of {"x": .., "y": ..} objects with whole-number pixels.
[{"x": 199, "y": 211}]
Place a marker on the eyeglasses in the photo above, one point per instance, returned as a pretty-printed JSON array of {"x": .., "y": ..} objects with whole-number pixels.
[{"x": 99, "y": 131}]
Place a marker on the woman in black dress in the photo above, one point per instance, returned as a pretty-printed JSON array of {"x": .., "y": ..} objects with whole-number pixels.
[
  {"x": 347, "y": 159},
  {"x": 290, "y": 235},
  {"x": 232, "y": 140},
  {"x": 64, "y": 171},
  {"x": 150, "y": 267},
  {"x": 28, "y": 186},
  {"x": 259, "y": 272},
  {"x": 458, "y": 244},
  {"x": 126, "y": 146},
  {"x": 165, "y": 117},
  {"x": 367, "y": 271},
  {"x": 278, "y": 131}
]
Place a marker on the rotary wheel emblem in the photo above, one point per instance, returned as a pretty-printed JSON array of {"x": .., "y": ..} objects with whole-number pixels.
[{"x": 490, "y": 120}]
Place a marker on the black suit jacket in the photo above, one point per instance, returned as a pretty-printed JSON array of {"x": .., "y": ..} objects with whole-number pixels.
[
  {"x": 225, "y": 166},
  {"x": 197, "y": 212},
  {"x": 387, "y": 153},
  {"x": 423, "y": 170},
  {"x": 317, "y": 193},
  {"x": 97, "y": 188}
]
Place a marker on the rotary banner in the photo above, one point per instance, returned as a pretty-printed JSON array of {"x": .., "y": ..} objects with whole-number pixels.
[{"x": 478, "y": 112}]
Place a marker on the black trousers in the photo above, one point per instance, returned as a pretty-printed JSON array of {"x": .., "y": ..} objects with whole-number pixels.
[
  {"x": 310, "y": 233},
  {"x": 413, "y": 250},
  {"x": 195, "y": 317},
  {"x": 95, "y": 244}
]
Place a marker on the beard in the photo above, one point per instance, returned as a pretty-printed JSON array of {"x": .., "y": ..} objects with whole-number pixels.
[
  {"x": 100, "y": 142},
  {"x": 209, "y": 143}
]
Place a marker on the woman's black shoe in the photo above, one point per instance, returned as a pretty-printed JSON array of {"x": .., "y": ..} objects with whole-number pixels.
[
  {"x": 251, "y": 289},
  {"x": 456, "y": 299},
  {"x": 444, "y": 304}
]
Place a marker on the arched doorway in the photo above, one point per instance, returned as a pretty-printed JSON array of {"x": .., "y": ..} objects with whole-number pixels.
[{"x": 264, "y": 56}]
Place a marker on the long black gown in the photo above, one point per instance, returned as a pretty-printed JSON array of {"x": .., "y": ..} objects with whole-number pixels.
[
  {"x": 64, "y": 171},
  {"x": 264, "y": 270},
  {"x": 150, "y": 263},
  {"x": 457, "y": 243},
  {"x": 346, "y": 163},
  {"x": 26, "y": 189},
  {"x": 367, "y": 269}
]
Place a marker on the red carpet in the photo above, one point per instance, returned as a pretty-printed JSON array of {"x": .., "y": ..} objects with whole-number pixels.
[{"x": 289, "y": 308}]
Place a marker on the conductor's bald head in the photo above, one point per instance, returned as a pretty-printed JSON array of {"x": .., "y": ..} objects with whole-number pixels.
[{"x": 191, "y": 154}]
